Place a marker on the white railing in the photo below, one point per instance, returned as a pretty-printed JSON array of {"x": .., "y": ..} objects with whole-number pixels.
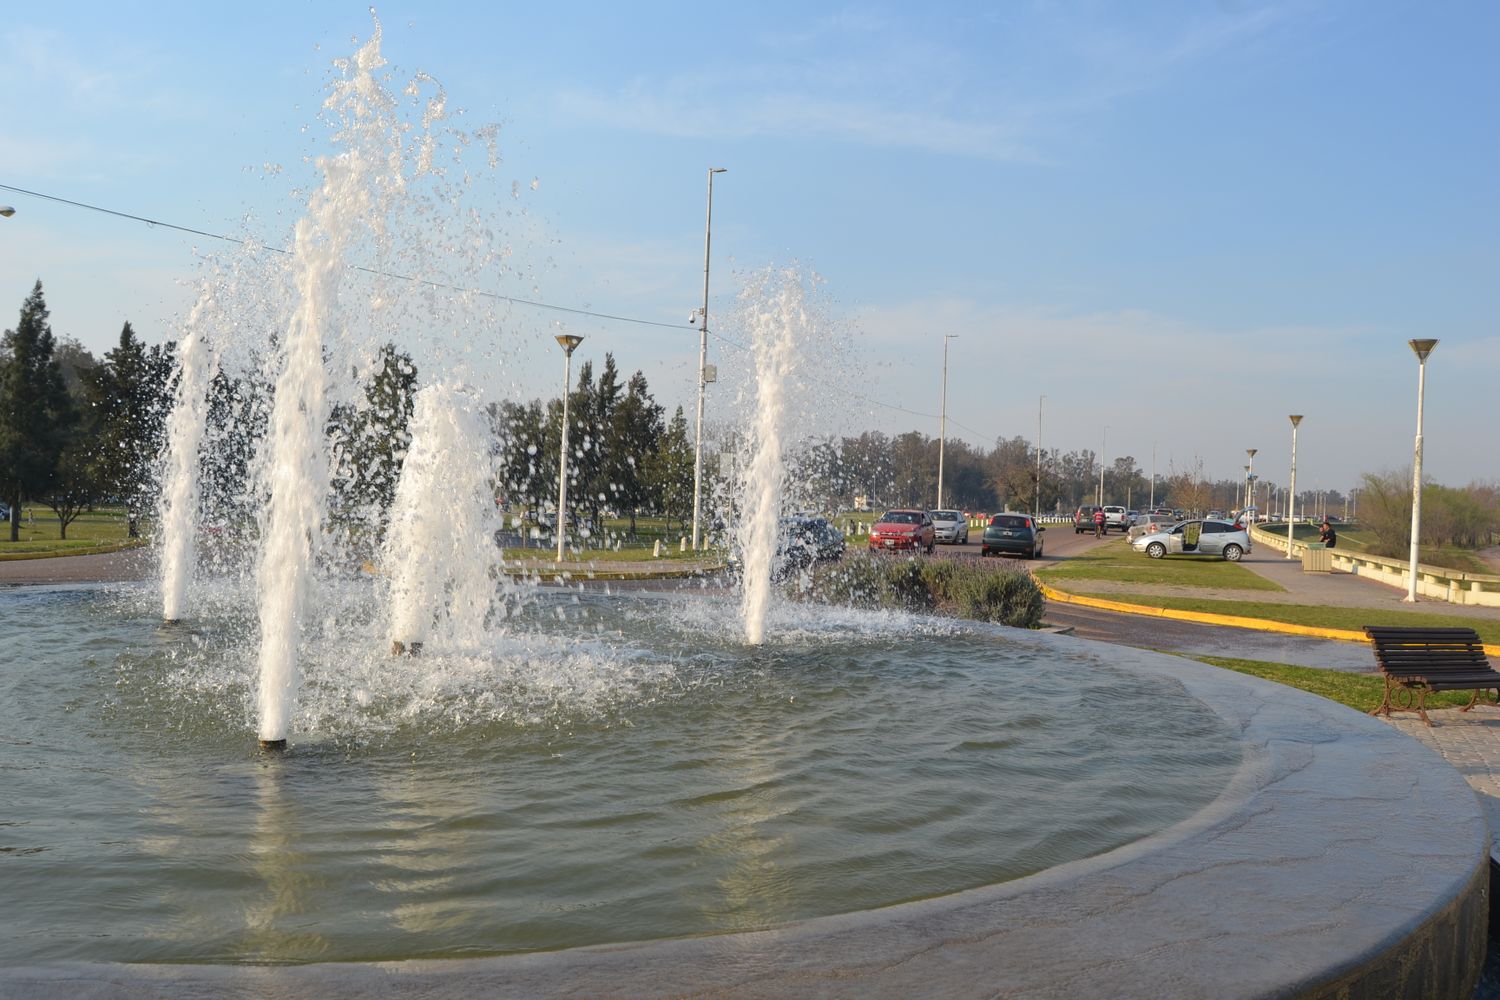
[{"x": 1451, "y": 585}]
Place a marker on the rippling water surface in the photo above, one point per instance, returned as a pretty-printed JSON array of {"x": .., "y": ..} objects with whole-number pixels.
[{"x": 596, "y": 769}]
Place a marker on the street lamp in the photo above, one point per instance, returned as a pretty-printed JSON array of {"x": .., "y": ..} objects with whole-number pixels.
[
  {"x": 943, "y": 417},
  {"x": 1421, "y": 348},
  {"x": 7, "y": 211},
  {"x": 1036, "y": 496},
  {"x": 567, "y": 341},
  {"x": 1250, "y": 477},
  {"x": 702, "y": 317},
  {"x": 1102, "y": 449},
  {"x": 1291, "y": 490}
]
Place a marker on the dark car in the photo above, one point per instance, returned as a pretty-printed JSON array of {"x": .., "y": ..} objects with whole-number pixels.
[
  {"x": 903, "y": 529},
  {"x": 1016, "y": 534},
  {"x": 803, "y": 541},
  {"x": 1083, "y": 519}
]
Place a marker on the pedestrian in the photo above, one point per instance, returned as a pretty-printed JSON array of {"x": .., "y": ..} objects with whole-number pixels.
[
  {"x": 1328, "y": 536},
  {"x": 1098, "y": 522}
]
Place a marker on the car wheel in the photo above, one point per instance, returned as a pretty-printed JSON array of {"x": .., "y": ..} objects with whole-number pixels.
[
  {"x": 1156, "y": 550},
  {"x": 1233, "y": 553}
]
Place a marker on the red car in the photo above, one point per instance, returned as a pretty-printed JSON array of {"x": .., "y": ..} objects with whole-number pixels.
[{"x": 903, "y": 529}]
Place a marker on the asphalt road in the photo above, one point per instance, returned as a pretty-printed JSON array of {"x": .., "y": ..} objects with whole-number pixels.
[{"x": 1187, "y": 638}]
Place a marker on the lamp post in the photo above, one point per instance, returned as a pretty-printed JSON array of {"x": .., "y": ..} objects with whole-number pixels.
[
  {"x": 567, "y": 341},
  {"x": 1036, "y": 495},
  {"x": 1103, "y": 447},
  {"x": 1250, "y": 477},
  {"x": 1153, "y": 475},
  {"x": 1291, "y": 490},
  {"x": 943, "y": 417},
  {"x": 702, "y": 317},
  {"x": 1421, "y": 348}
]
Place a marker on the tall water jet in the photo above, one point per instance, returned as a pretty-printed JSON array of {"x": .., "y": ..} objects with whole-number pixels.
[
  {"x": 439, "y": 552},
  {"x": 178, "y": 503},
  {"x": 297, "y": 462},
  {"x": 777, "y": 316}
]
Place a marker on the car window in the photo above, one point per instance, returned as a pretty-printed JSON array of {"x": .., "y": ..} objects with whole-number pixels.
[
  {"x": 1010, "y": 521},
  {"x": 946, "y": 515},
  {"x": 901, "y": 517},
  {"x": 1214, "y": 528}
]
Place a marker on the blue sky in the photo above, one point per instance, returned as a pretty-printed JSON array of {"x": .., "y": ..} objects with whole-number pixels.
[{"x": 1179, "y": 221}]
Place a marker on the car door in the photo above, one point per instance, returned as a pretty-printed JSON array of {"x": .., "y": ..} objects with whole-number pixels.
[{"x": 1211, "y": 541}]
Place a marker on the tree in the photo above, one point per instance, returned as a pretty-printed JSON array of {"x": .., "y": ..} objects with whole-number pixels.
[
  {"x": 370, "y": 440},
  {"x": 128, "y": 396},
  {"x": 669, "y": 471},
  {"x": 36, "y": 415},
  {"x": 634, "y": 434}
]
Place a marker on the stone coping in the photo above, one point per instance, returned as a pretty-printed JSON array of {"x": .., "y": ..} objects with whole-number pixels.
[{"x": 1341, "y": 859}]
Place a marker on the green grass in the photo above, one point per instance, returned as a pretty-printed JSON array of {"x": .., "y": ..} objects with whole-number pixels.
[
  {"x": 625, "y": 553},
  {"x": 1362, "y": 692},
  {"x": 1317, "y": 616},
  {"x": 39, "y": 531},
  {"x": 1116, "y": 561}
]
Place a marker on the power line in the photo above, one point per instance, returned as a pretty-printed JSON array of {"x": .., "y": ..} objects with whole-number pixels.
[
  {"x": 429, "y": 283},
  {"x": 154, "y": 223}
]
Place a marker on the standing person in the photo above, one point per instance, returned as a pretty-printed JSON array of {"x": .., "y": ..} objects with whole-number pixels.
[
  {"x": 1328, "y": 536},
  {"x": 1098, "y": 522}
]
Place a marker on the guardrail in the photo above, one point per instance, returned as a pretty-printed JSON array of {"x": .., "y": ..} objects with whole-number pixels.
[{"x": 1451, "y": 585}]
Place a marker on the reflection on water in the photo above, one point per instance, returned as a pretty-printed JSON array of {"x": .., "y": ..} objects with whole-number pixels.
[{"x": 603, "y": 770}]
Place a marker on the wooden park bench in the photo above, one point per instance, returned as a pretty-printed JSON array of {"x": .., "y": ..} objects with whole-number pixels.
[{"x": 1430, "y": 659}]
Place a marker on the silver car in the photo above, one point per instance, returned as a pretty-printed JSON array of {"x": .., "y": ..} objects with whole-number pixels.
[
  {"x": 950, "y": 526},
  {"x": 1210, "y": 538},
  {"x": 1150, "y": 524}
]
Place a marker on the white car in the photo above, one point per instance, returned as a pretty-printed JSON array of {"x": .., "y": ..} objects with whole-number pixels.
[
  {"x": 1213, "y": 538},
  {"x": 951, "y": 527}
]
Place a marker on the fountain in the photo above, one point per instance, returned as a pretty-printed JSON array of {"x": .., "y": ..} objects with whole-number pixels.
[{"x": 576, "y": 793}]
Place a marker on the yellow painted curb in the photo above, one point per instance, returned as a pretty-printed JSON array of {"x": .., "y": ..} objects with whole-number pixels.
[{"x": 1208, "y": 618}]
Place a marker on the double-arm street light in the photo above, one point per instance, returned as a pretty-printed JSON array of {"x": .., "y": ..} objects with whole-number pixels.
[
  {"x": 702, "y": 317},
  {"x": 1250, "y": 478},
  {"x": 567, "y": 341},
  {"x": 1421, "y": 348},
  {"x": 943, "y": 417},
  {"x": 1291, "y": 490}
]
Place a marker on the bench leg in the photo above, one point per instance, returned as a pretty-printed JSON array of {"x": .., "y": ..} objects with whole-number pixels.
[
  {"x": 1482, "y": 691},
  {"x": 1384, "y": 708},
  {"x": 1422, "y": 705}
]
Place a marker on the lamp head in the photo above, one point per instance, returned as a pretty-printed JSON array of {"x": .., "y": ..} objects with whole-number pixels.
[
  {"x": 1422, "y": 348},
  {"x": 1296, "y": 419},
  {"x": 568, "y": 341},
  {"x": 1251, "y": 451},
  {"x": 7, "y": 211}
]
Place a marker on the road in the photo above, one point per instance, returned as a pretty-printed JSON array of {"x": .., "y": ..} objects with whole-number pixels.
[{"x": 1187, "y": 638}]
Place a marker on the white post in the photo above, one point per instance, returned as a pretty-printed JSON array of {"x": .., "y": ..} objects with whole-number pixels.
[
  {"x": 567, "y": 342},
  {"x": 1036, "y": 498},
  {"x": 943, "y": 418},
  {"x": 1291, "y": 490},
  {"x": 702, "y": 318},
  {"x": 1250, "y": 478},
  {"x": 1421, "y": 348},
  {"x": 1102, "y": 449}
]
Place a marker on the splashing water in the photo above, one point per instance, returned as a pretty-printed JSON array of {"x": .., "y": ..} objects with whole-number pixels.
[
  {"x": 440, "y": 545},
  {"x": 778, "y": 319},
  {"x": 178, "y": 505}
]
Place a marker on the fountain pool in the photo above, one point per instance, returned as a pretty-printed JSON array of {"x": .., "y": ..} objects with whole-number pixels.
[{"x": 598, "y": 770}]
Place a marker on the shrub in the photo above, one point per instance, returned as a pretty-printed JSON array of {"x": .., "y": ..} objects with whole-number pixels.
[{"x": 978, "y": 591}]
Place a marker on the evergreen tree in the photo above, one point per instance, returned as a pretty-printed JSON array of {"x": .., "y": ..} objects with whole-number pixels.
[
  {"x": 669, "y": 471},
  {"x": 129, "y": 395},
  {"x": 36, "y": 416},
  {"x": 370, "y": 441},
  {"x": 633, "y": 435}
]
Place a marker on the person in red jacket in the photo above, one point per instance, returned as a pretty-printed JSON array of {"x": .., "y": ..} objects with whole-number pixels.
[{"x": 1098, "y": 522}]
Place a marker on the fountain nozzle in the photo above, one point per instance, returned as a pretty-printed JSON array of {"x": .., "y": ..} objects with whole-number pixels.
[
  {"x": 272, "y": 744},
  {"x": 412, "y": 649}
]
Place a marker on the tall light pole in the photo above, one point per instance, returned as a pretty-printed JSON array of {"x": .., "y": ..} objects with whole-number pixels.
[
  {"x": 702, "y": 318},
  {"x": 1291, "y": 490},
  {"x": 1153, "y": 475},
  {"x": 1421, "y": 348},
  {"x": 943, "y": 417},
  {"x": 1036, "y": 496},
  {"x": 1250, "y": 477},
  {"x": 1102, "y": 449},
  {"x": 567, "y": 341}
]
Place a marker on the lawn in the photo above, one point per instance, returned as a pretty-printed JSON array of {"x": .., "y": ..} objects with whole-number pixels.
[
  {"x": 1358, "y": 691},
  {"x": 39, "y": 530},
  {"x": 1116, "y": 561}
]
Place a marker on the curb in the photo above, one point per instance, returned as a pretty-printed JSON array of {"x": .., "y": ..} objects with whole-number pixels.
[{"x": 1209, "y": 618}]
